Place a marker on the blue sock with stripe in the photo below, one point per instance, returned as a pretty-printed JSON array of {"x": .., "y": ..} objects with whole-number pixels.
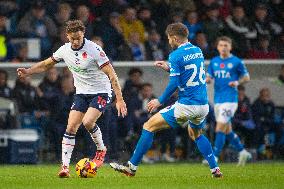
[
  {"x": 220, "y": 140},
  {"x": 205, "y": 148},
  {"x": 143, "y": 145},
  {"x": 235, "y": 141}
]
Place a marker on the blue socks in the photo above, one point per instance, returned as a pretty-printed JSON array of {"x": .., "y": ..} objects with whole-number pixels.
[
  {"x": 235, "y": 141},
  {"x": 220, "y": 140},
  {"x": 205, "y": 148},
  {"x": 143, "y": 145}
]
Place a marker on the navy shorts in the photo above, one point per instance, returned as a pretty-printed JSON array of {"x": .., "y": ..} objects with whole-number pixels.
[{"x": 82, "y": 102}]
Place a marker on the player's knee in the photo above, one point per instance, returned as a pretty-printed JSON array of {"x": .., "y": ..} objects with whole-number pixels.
[
  {"x": 88, "y": 124},
  {"x": 72, "y": 129},
  {"x": 147, "y": 126},
  {"x": 221, "y": 127}
]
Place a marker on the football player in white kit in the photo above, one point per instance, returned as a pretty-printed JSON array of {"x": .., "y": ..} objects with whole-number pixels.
[{"x": 93, "y": 76}]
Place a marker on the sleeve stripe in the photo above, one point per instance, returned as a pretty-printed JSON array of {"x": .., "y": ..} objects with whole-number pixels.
[
  {"x": 174, "y": 74},
  {"x": 55, "y": 59},
  {"x": 104, "y": 64}
]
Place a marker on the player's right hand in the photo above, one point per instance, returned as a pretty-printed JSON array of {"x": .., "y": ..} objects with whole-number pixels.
[
  {"x": 121, "y": 108},
  {"x": 23, "y": 72},
  {"x": 162, "y": 64}
]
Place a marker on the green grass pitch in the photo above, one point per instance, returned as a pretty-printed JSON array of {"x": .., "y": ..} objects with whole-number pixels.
[{"x": 172, "y": 176}]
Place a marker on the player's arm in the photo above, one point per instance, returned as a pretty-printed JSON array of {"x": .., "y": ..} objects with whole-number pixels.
[
  {"x": 120, "y": 104},
  {"x": 36, "y": 68},
  {"x": 209, "y": 74},
  {"x": 163, "y": 65},
  {"x": 170, "y": 89},
  {"x": 244, "y": 75}
]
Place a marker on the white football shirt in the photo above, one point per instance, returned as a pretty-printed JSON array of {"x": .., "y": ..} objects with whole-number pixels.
[{"x": 85, "y": 64}]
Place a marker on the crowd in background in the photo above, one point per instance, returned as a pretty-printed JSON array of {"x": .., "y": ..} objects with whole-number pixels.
[{"x": 134, "y": 30}]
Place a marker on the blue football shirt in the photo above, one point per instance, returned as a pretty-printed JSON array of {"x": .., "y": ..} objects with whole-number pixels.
[
  {"x": 187, "y": 66},
  {"x": 223, "y": 71}
]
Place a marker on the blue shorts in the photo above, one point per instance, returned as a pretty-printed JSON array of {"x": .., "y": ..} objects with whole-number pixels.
[
  {"x": 82, "y": 102},
  {"x": 185, "y": 115}
]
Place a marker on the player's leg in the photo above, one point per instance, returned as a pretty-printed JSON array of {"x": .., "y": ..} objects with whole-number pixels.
[
  {"x": 205, "y": 148},
  {"x": 68, "y": 141},
  {"x": 97, "y": 105},
  {"x": 89, "y": 122},
  {"x": 155, "y": 123},
  {"x": 235, "y": 141},
  {"x": 223, "y": 117}
]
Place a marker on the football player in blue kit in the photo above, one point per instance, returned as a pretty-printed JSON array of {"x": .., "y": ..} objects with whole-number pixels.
[
  {"x": 186, "y": 67},
  {"x": 228, "y": 71}
]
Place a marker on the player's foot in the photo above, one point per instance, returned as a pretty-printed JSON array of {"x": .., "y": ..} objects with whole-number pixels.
[
  {"x": 64, "y": 172},
  {"x": 216, "y": 173},
  {"x": 128, "y": 169},
  {"x": 205, "y": 162},
  {"x": 100, "y": 157},
  {"x": 244, "y": 156},
  {"x": 168, "y": 158}
]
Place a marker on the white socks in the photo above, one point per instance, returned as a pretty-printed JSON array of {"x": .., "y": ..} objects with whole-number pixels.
[
  {"x": 97, "y": 137},
  {"x": 68, "y": 144}
]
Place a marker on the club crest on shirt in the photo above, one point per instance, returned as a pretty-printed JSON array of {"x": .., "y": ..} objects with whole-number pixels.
[
  {"x": 230, "y": 65},
  {"x": 222, "y": 65},
  {"x": 102, "y": 54},
  {"x": 84, "y": 55}
]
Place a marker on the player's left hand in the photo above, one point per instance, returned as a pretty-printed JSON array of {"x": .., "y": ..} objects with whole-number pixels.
[
  {"x": 121, "y": 108},
  {"x": 233, "y": 83},
  {"x": 153, "y": 105}
]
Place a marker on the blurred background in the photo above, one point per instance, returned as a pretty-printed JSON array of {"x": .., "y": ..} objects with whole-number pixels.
[{"x": 34, "y": 111}]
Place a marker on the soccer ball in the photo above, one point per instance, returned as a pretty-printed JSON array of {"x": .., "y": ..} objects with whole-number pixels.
[{"x": 86, "y": 168}]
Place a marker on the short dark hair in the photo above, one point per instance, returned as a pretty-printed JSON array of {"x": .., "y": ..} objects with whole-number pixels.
[
  {"x": 224, "y": 38},
  {"x": 135, "y": 70},
  {"x": 74, "y": 26},
  {"x": 146, "y": 85},
  {"x": 177, "y": 29}
]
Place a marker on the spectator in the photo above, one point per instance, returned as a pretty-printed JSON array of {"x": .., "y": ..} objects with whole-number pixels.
[
  {"x": 213, "y": 26},
  {"x": 280, "y": 45},
  {"x": 137, "y": 48},
  {"x": 59, "y": 112},
  {"x": 25, "y": 95},
  {"x": 5, "y": 90},
  {"x": 98, "y": 40},
  {"x": 22, "y": 54},
  {"x": 262, "y": 24},
  {"x": 6, "y": 49},
  {"x": 240, "y": 29},
  {"x": 83, "y": 14},
  {"x": 49, "y": 89},
  {"x": 243, "y": 121},
  {"x": 138, "y": 107},
  {"x": 130, "y": 24},
  {"x": 111, "y": 34},
  {"x": 201, "y": 42},
  {"x": 263, "y": 50},
  {"x": 36, "y": 24},
  {"x": 133, "y": 84},
  {"x": 61, "y": 39},
  {"x": 155, "y": 48},
  {"x": 192, "y": 24},
  {"x": 263, "y": 115},
  {"x": 176, "y": 16},
  {"x": 63, "y": 14},
  {"x": 145, "y": 15}
]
